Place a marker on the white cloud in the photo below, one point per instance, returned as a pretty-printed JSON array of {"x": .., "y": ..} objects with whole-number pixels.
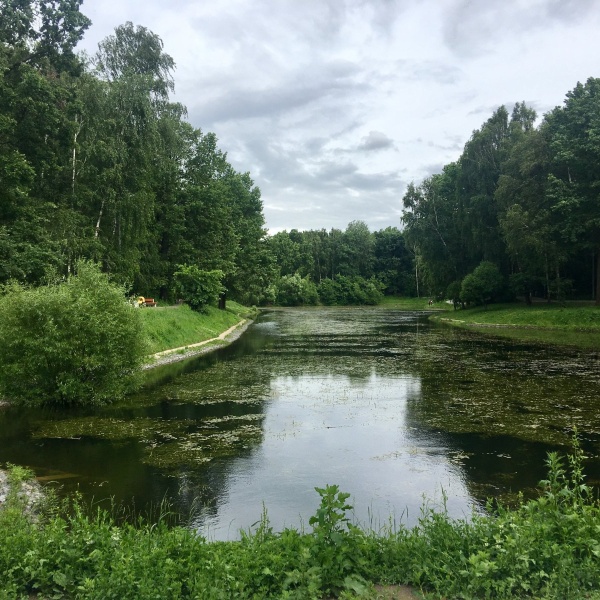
[{"x": 335, "y": 105}]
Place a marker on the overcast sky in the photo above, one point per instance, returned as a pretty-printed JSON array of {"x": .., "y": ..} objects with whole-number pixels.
[{"x": 334, "y": 106}]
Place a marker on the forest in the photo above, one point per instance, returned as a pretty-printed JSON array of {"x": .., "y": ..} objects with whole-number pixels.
[
  {"x": 97, "y": 163},
  {"x": 521, "y": 201}
]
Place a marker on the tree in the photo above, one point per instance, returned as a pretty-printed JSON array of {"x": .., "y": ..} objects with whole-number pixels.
[
  {"x": 392, "y": 261},
  {"x": 73, "y": 342},
  {"x": 480, "y": 168},
  {"x": 294, "y": 290},
  {"x": 356, "y": 255},
  {"x": 435, "y": 229},
  {"x": 38, "y": 70},
  {"x": 573, "y": 132}
]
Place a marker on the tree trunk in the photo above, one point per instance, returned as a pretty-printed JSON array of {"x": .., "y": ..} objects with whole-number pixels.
[
  {"x": 547, "y": 281},
  {"x": 97, "y": 232},
  {"x": 417, "y": 276}
]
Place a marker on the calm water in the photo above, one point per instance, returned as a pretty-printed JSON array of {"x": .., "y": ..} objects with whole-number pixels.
[{"x": 392, "y": 409}]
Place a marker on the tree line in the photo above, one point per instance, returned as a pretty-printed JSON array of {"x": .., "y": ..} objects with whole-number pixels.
[
  {"x": 351, "y": 266},
  {"x": 96, "y": 162},
  {"x": 518, "y": 213}
]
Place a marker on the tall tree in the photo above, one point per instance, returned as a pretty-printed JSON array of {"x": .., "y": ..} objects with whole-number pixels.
[
  {"x": 38, "y": 69},
  {"x": 574, "y": 180}
]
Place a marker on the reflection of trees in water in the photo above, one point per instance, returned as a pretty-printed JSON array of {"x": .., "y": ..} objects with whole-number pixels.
[{"x": 494, "y": 407}]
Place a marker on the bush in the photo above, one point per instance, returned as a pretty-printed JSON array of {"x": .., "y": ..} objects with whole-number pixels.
[
  {"x": 76, "y": 342},
  {"x": 199, "y": 288},
  {"x": 350, "y": 290},
  {"x": 482, "y": 285},
  {"x": 293, "y": 290}
]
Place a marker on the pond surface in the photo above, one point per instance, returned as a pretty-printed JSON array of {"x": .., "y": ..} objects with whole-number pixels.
[{"x": 393, "y": 409}]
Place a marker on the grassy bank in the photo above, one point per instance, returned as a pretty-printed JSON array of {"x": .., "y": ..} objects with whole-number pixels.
[
  {"x": 177, "y": 326},
  {"x": 405, "y": 303},
  {"x": 567, "y": 317},
  {"x": 543, "y": 548},
  {"x": 573, "y": 324}
]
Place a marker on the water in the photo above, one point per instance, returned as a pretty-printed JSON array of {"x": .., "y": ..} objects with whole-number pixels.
[{"x": 394, "y": 410}]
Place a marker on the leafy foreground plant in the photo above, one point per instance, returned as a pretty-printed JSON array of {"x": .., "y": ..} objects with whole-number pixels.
[{"x": 544, "y": 548}]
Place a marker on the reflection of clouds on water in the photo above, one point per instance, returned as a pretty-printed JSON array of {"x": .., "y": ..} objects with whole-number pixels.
[{"x": 332, "y": 429}]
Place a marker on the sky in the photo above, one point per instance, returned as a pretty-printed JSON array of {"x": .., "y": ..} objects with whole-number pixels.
[{"x": 335, "y": 106}]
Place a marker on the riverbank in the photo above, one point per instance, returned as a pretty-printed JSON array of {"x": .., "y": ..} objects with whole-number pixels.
[
  {"x": 406, "y": 303},
  {"x": 176, "y": 333},
  {"x": 172, "y": 355},
  {"x": 570, "y": 323}
]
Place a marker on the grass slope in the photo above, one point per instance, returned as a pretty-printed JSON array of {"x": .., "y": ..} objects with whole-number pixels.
[
  {"x": 568, "y": 317},
  {"x": 569, "y": 324},
  {"x": 175, "y": 326}
]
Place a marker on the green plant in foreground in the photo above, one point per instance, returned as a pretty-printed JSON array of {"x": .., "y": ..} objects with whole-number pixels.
[
  {"x": 544, "y": 548},
  {"x": 334, "y": 549}
]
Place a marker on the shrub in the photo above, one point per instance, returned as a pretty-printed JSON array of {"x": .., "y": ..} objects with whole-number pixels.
[
  {"x": 350, "y": 290},
  {"x": 293, "y": 290},
  {"x": 482, "y": 285},
  {"x": 76, "y": 342},
  {"x": 199, "y": 288}
]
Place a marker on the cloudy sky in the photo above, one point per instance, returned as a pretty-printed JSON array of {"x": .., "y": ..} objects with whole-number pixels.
[{"x": 334, "y": 106}]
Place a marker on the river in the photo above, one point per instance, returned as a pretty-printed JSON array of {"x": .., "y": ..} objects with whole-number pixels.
[{"x": 399, "y": 412}]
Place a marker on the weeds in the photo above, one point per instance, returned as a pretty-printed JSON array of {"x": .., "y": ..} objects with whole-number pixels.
[{"x": 544, "y": 548}]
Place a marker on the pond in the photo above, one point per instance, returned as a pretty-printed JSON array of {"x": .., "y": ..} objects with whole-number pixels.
[{"x": 395, "y": 410}]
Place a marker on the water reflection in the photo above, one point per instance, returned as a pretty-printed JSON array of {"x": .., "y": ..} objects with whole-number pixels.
[
  {"x": 378, "y": 401},
  {"x": 333, "y": 428}
]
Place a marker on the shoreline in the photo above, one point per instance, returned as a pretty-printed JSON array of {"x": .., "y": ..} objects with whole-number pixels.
[
  {"x": 32, "y": 492},
  {"x": 166, "y": 357}
]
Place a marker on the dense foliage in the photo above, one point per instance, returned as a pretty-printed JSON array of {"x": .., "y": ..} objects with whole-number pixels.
[
  {"x": 543, "y": 548},
  {"x": 73, "y": 342},
  {"x": 354, "y": 266},
  {"x": 97, "y": 162},
  {"x": 522, "y": 197},
  {"x": 199, "y": 288}
]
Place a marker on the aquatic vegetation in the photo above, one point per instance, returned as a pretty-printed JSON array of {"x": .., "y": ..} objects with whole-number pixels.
[{"x": 381, "y": 401}]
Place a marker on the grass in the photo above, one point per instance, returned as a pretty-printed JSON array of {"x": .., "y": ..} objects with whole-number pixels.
[
  {"x": 566, "y": 317},
  {"x": 177, "y": 326},
  {"x": 404, "y": 303},
  {"x": 543, "y": 548},
  {"x": 568, "y": 324}
]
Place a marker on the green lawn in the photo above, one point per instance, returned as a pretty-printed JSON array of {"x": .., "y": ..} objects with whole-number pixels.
[
  {"x": 176, "y": 326},
  {"x": 402, "y": 303},
  {"x": 568, "y": 317}
]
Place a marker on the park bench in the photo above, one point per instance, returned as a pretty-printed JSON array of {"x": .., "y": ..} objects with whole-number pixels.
[{"x": 149, "y": 302}]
